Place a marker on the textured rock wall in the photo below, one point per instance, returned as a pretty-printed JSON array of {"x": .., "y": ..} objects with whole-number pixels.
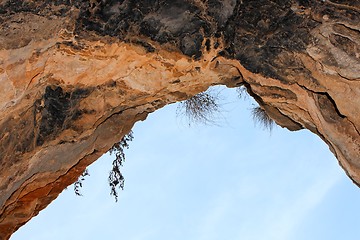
[{"x": 76, "y": 75}]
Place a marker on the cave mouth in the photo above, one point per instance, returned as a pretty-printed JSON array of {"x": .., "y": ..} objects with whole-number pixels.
[
  {"x": 299, "y": 58},
  {"x": 203, "y": 180}
]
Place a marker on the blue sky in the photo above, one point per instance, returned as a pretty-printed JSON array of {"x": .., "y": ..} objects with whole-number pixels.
[{"x": 229, "y": 181}]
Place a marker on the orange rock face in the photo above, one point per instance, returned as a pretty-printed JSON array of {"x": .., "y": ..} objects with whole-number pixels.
[{"x": 75, "y": 77}]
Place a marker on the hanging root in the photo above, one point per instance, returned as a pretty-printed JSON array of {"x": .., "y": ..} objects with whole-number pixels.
[{"x": 260, "y": 116}]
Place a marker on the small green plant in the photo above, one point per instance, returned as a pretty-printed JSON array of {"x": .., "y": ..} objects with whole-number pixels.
[
  {"x": 79, "y": 183},
  {"x": 200, "y": 108},
  {"x": 260, "y": 116},
  {"x": 116, "y": 179}
]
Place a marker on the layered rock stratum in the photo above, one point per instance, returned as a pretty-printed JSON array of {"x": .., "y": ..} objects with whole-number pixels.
[{"x": 76, "y": 75}]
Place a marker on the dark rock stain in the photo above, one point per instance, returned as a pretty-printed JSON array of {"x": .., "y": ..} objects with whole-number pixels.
[
  {"x": 148, "y": 47},
  {"x": 263, "y": 30},
  {"x": 207, "y": 45},
  {"x": 163, "y": 21},
  {"x": 53, "y": 113},
  {"x": 191, "y": 44},
  {"x": 276, "y": 92},
  {"x": 346, "y": 44},
  {"x": 57, "y": 111}
]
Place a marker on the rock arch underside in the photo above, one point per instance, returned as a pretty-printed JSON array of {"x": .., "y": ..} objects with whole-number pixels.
[{"x": 75, "y": 75}]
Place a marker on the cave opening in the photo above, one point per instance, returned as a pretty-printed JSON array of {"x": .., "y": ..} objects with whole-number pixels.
[{"x": 227, "y": 180}]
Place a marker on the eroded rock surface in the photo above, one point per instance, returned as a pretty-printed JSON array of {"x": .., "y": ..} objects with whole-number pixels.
[{"x": 76, "y": 75}]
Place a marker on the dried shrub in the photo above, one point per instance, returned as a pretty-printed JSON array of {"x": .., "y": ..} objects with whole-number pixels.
[
  {"x": 201, "y": 108},
  {"x": 260, "y": 116}
]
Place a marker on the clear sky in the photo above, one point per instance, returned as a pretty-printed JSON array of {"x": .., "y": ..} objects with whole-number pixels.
[{"x": 227, "y": 182}]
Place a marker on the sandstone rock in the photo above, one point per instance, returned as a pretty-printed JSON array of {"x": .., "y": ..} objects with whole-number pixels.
[{"x": 76, "y": 75}]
